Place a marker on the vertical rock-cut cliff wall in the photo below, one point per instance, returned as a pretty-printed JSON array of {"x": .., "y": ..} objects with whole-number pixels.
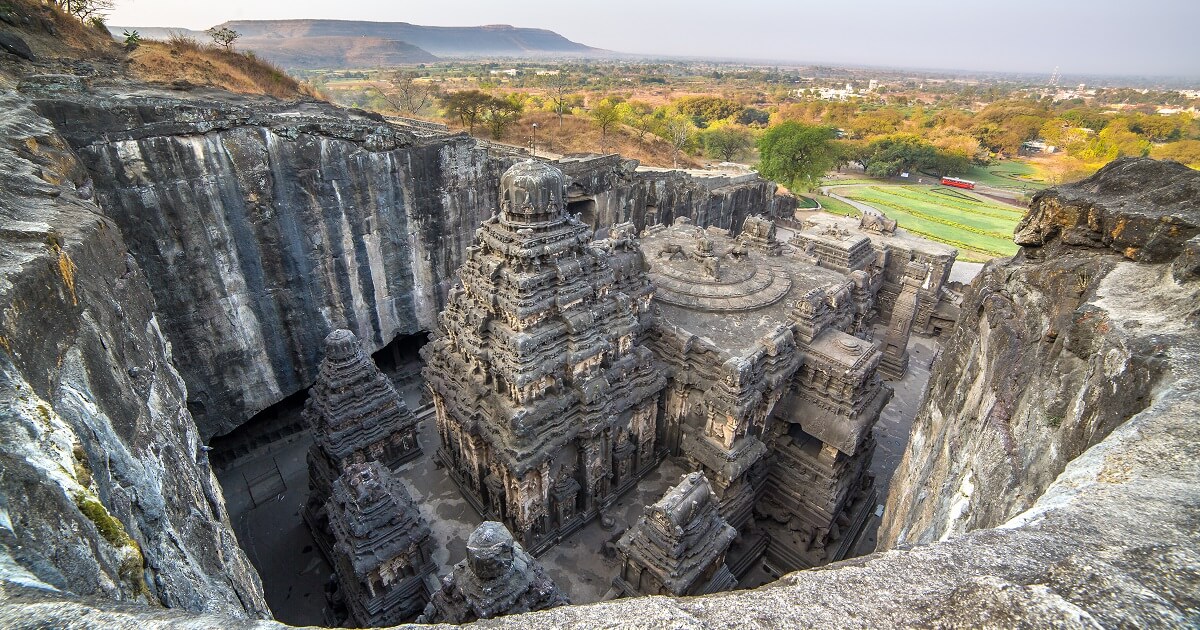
[
  {"x": 1043, "y": 364},
  {"x": 264, "y": 225},
  {"x": 104, "y": 490},
  {"x": 624, "y": 193}
]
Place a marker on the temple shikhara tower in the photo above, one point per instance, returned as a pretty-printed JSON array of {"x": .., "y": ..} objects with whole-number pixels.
[
  {"x": 545, "y": 395},
  {"x": 383, "y": 550},
  {"x": 356, "y": 417},
  {"x": 678, "y": 547}
]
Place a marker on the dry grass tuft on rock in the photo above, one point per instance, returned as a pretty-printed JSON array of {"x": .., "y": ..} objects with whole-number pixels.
[
  {"x": 51, "y": 33},
  {"x": 182, "y": 59}
]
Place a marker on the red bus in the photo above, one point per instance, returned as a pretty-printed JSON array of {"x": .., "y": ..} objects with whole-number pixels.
[{"x": 958, "y": 183}]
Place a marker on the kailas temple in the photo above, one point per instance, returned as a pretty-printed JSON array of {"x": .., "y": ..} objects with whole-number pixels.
[{"x": 276, "y": 362}]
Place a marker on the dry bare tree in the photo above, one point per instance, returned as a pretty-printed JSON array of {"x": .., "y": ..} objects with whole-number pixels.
[{"x": 404, "y": 93}]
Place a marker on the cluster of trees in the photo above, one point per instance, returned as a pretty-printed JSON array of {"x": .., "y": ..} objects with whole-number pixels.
[
  {"x": 1095, "y": 138},
  {"x": 886, "y": 137},
  {"x": 797, "y": 155},
  {"x": 1091, "y": 135},
  {"x": 471, "y": 107},
  {"x": 719, "y": 128}
]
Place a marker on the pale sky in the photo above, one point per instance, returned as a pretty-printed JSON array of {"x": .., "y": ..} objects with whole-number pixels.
[{"x": 1142, "y": 37}]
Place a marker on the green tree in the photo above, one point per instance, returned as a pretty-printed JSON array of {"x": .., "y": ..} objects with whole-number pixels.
[
  {"x": 704, "y": 110},
  {"x": 1160, "y": 128},
  {"x": 752, "y": 117},
  {"x": 1184, "y": 151},
  {"x": 606, "y": 115},
  {"x": 224, "y": 36},
  {"x": 891, "y": 155},
  {"x": 796, "y": 155},
  {"x": 499, "y": 114},
  {"x": 467, "y": 106},
  {"x": 641, "y": 116},
  {"x": 726, "y": 142}
]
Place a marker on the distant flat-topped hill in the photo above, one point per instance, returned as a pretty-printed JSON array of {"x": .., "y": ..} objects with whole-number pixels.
[
  {"x": 446, "y": 41},
  {"x": 351, "y": 44},
  {"x": 335, "y": 52}
]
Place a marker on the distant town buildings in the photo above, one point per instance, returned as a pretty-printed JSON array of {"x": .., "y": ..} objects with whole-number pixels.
[{"x": 838, "y": 94}]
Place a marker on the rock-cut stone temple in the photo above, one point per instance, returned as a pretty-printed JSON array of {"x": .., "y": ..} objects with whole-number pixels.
[
  {"x": 545, "y": 395},
  {"x": 383, "y": 550},
  {"x": 356, "y": 417}
]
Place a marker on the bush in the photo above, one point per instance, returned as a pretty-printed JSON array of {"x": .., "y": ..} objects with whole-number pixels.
[{"x": 132, "y": 39}]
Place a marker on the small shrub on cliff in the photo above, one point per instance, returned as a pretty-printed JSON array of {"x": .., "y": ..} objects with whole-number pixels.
[
  {"x": 224, "y": 36},
  {"x": 133, "y": 39}
]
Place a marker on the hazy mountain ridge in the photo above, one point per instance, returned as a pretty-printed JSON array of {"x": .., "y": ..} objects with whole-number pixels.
[
  {"x": 356, "y": 44},
  {"x": 499, "y": 39}
]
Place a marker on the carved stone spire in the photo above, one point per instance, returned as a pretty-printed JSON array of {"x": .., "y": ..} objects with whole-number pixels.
[
  {"x": 383, "y": 549},
  {"x": 678, "y": 546},
  {"x": 356, "y": 416},
  {"x": 538, "y": 373},
  {"x": 498, "y": 578}
]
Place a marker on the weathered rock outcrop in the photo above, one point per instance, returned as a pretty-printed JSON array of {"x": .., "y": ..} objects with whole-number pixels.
[
  {"x": 623, "y": 193},
  {"x": 104, "y": 487},
  {"x": 1049, "y": 357},
  {"x": 264, "y": 225}
]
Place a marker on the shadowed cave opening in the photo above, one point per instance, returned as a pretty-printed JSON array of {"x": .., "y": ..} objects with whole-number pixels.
[{"x": 585, "y": 208}]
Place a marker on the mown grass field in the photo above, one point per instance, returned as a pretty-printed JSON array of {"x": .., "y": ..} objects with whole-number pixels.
[
  {"x": 1011, "y": 175},
  {"x": 979, "y": 227},
  {"x": 837, "y": 206}
]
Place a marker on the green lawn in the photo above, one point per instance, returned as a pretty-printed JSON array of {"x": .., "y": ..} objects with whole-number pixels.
[
  {"x": 1009, "y": 174},
  {"x": 953, "y": 217},
  {"x": 837, "y": 207}
]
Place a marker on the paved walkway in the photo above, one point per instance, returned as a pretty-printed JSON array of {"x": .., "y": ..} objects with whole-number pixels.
[{"x": 858, "y": 205}]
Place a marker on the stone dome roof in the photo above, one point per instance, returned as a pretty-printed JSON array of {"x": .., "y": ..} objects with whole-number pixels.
[
  {"x": 532, "y": 193},
  {"x": 341, "y": 345}
]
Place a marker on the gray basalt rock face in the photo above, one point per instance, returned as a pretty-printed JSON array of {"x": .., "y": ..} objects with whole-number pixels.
[
  {"x": 644, "y": 197},
  {"x": 1043, "y": 364},
  {"x": 265, "y": 225},
  {"x": 105, "y": 490}
]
